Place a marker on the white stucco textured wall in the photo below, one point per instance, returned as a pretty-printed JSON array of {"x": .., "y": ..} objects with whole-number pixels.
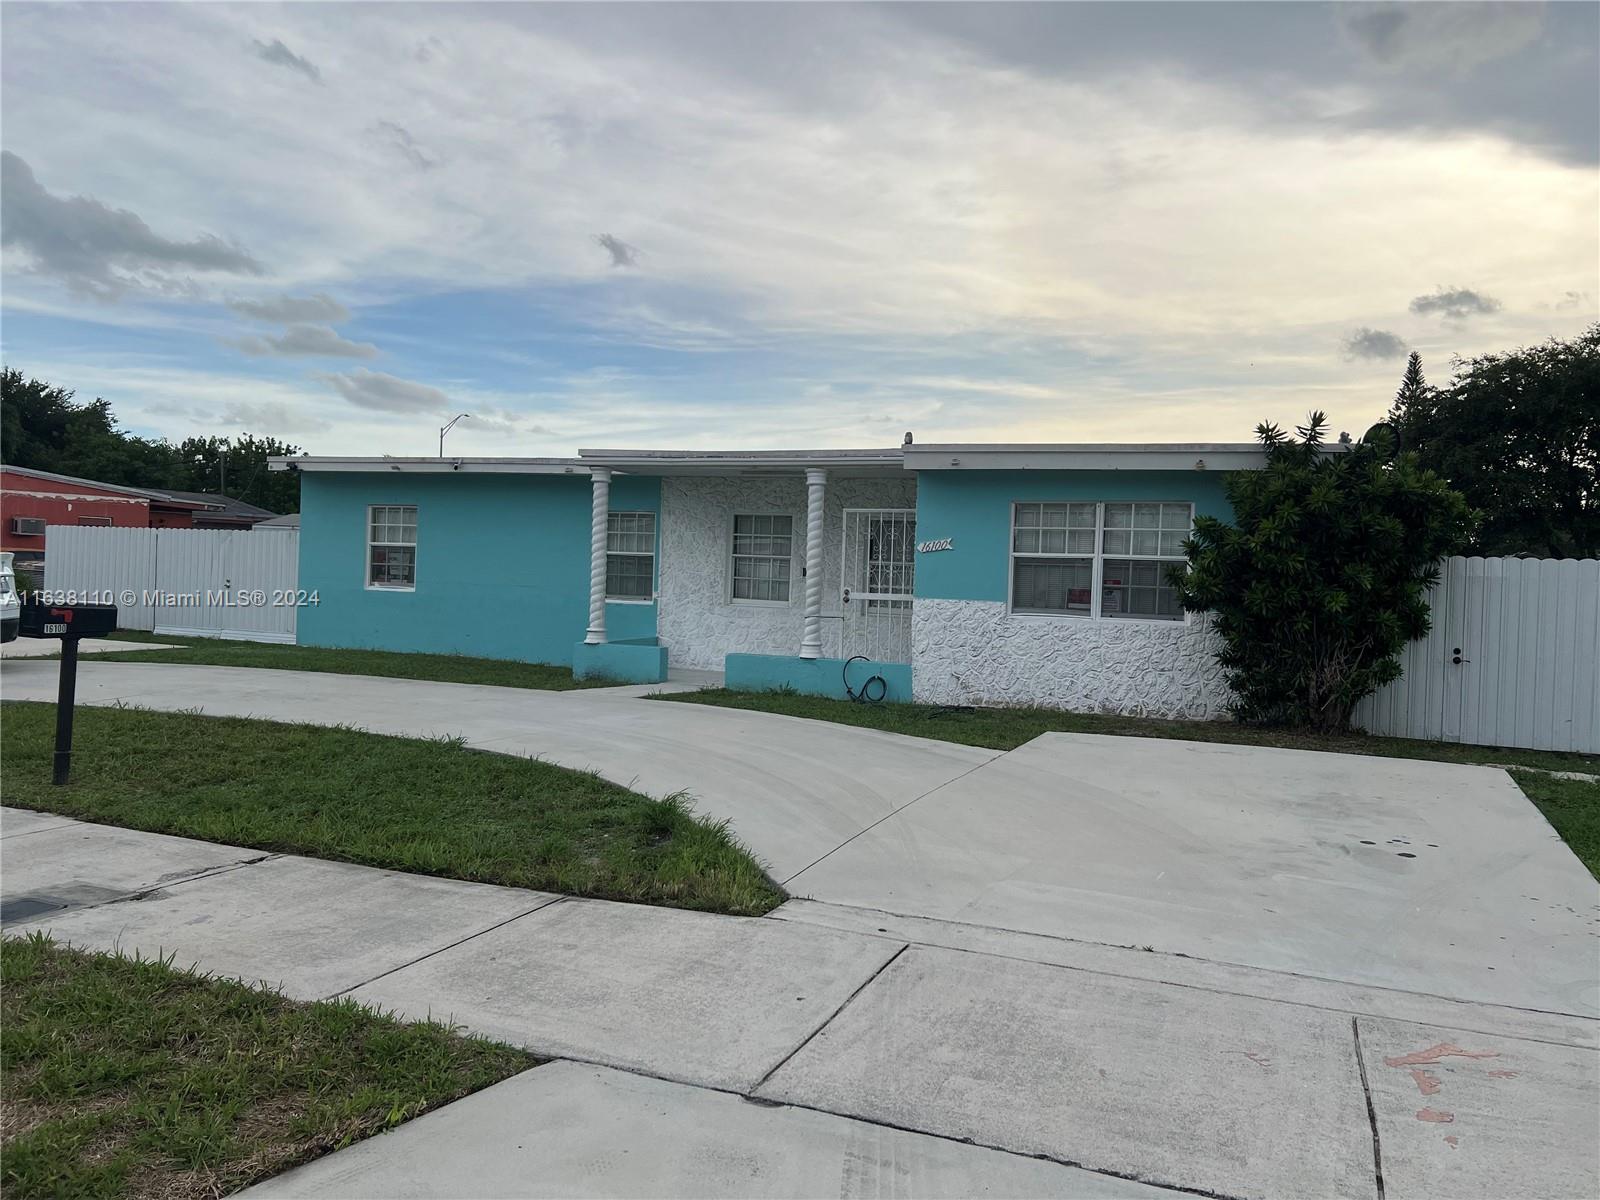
[
  {"x": 975, "y": 652},
  {"x": 698, "y": 623}
]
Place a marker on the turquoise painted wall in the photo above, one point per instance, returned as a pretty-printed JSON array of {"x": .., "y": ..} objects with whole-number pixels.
[
  {"x": 816, "y": 676},
  {"x": 502, "y": 564},
  {"x": 974, "y": 509}
]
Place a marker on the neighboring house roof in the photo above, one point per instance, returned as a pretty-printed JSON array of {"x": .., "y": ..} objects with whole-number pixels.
[
  {"x": 52, "y": 477},
  {"x": 207, "y": 502},
  {"x": 287, "y": 521},
  {"x": 215, "y": 504}
]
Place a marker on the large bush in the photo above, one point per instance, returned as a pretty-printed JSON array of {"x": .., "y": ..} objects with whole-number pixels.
[{"x": 1323, "y": 576}]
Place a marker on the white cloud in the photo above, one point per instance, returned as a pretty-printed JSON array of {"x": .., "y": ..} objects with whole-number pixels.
[
  {"x": 278, "y": 54},
  {"x": 1422, "y": 37},
  {"x": 97, "y": 249},
  {"x": 622, "y": 254},
  {"x": 386, "y": 393},
  {"x": 965, "y": 198},
  {"x": 307, "y": 341},
  {"x": 285, "y": 310},
  {"x": 1137, "y": 255},
  {"x": 1455, "y": 303},
  {"x": 1374, "y": 343}
]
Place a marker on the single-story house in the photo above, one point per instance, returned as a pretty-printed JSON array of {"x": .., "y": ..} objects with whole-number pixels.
[{"x": 992, "y": 574}]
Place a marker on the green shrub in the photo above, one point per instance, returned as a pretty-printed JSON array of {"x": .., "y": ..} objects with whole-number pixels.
[{"x": 1323, "y": 576}]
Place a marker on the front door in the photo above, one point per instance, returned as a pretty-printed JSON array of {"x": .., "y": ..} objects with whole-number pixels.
[{"x": 880, "y": 547}]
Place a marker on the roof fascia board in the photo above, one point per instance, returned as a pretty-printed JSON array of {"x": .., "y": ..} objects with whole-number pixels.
[
  {"x": 434, "y": 466},
  {"x": 1212, "y": 456}
]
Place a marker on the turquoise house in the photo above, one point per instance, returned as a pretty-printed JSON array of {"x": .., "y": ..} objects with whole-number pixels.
[{"x": 953, "y": 574}]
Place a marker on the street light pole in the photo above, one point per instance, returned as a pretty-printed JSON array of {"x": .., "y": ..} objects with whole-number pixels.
[{"x": 446, "y": 429}]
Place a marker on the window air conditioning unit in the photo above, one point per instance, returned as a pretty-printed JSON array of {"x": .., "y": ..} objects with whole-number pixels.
[{"x": 28, "y": 526}]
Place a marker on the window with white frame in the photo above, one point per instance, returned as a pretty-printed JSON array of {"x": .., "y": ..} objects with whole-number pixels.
[
  {"x": 392, "y": 546},
  {"x": 763, "y": 550},
  {"x": 1052, "y": 548},
  {"x": 1098, "y": 559},
  {"x": 630, "y": 555}
]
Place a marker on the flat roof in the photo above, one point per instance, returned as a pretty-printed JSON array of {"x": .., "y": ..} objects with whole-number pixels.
[
  {"x": 492, "y": 466},
  {"x": 940, "y": 456},
  {"x": 746, "y": 462},
  {"x": 1085, "y": 456}
]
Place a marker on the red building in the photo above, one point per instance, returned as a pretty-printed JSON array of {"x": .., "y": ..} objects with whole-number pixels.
[{"x": 30, "y": 500}]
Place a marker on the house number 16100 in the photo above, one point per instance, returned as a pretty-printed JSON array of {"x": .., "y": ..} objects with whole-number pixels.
[{"x": 936, "y": 544}]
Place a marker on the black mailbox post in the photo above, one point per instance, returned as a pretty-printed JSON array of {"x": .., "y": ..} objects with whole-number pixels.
[{"x": 71, "y": 623}]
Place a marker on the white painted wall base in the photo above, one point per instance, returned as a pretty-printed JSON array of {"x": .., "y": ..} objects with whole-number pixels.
[{"x": 975, "y": 652}]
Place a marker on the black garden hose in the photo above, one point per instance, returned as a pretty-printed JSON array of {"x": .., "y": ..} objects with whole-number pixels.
[{"x": 865, "y": 695}]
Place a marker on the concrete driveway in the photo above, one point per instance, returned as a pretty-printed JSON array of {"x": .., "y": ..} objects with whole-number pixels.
[
  {"x": 1420, "y": 877},
  {"x": 1423, "y": 876},
  {"x": 1384, "y": 872}
]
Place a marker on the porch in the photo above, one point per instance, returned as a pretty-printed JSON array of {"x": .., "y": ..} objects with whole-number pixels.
[{"x": 776, "y": 568}]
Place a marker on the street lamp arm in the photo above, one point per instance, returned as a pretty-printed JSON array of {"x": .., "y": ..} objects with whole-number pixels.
[{"x": 447, "y": 428}]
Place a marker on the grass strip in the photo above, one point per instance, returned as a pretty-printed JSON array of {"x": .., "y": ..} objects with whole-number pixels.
[
  {"x": 387, "y": 664},
  {"x": 1008, "y": 728},
  {"x": 1573, "y": 807},
  {"x": 125, "y": 1077},
  {"x": 430, "y": 806}
]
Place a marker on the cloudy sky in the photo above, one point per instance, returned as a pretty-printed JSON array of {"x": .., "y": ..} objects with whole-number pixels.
[{"x": 775, "y": 226}]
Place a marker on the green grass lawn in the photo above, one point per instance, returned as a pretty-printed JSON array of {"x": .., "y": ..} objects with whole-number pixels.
[
  {"x": 442, "y": 668},
  {"x": 1573, "y": 807},
  {"x": 1008, "y": 728},
  {"x": 433, "y": 807},
  {"x": 127, "y": 1078}
]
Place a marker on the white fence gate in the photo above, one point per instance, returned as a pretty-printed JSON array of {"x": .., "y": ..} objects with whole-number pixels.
[
  {"x": 187, "y": 582},
  {"x": 1513, "y": 659}
]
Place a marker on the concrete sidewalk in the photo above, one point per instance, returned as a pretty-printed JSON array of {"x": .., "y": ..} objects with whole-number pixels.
[{"x": 1013, "y": 1064}]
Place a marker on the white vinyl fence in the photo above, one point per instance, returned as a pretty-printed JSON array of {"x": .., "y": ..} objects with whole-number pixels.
[
  {"x": 188, "y": 582},
  {"x": 1513, "y": 659}
]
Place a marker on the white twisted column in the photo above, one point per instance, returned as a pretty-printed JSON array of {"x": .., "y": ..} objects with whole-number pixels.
[
  {"x": 601, "y": 477},
  {"x": 816, "y": 485}
]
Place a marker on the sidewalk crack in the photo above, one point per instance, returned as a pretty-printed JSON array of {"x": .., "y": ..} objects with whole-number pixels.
[
  {"x": 1372, "y": 1112},
  {"x": 828, "y": 1020},
  {"x": 892, "y": 813},
  {"x": 554, "y": 900}
]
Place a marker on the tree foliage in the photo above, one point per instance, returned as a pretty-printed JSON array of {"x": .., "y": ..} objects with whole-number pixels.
[
  {"x": 43, "y": 427},
  {"x": 1414, "y": 390},
  {"x": 1323, "y": 576},
  {"x": 1518, "y": 434}
]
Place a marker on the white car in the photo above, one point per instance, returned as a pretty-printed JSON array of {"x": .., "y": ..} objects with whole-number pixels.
[{"x": 10, "y": 605}]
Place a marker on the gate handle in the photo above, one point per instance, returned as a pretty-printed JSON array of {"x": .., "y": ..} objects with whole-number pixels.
[
  {"x": 1457, "y": 659},
  {"x": 847, "y": 595}
]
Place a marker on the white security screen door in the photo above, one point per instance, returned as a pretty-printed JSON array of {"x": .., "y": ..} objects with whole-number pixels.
[{"x": 880, "y": 547}]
